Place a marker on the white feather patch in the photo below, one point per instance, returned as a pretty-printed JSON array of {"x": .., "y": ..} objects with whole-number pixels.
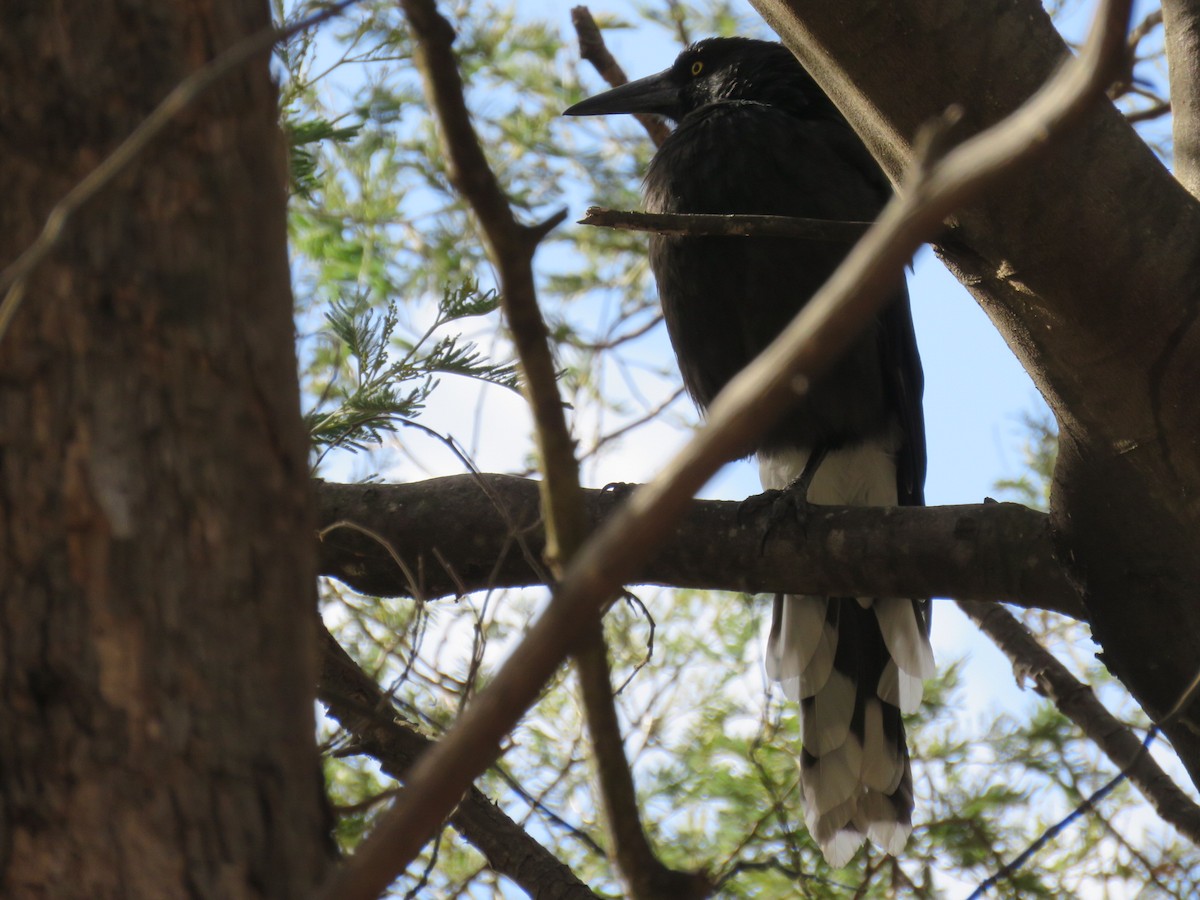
[
  {"x": 826, "y": 723},
  {"x": 823, "y": 825},
  {"x": 833, "y": 778},
  {"x": 877, "y": 817},
  {"x": 900, "y": 689},
  {"x": 906, "y": 640},
  {"x": 882, "y": 767},
  {"x": 862, "y": 475},
  {"x": 801, "y": 624},
  {"x": 840, "y": 848},
  {"x": 783, "y": 665},
  {"x": 815, "y": 678},
  {"x": 891, "y": 836}
]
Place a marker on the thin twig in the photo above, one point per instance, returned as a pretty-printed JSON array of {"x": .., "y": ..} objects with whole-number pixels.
[
  {"x": 1138, "y": 761},
  {"x": 1149, "y": 113},
  {"x": 708, "y": 224},
  {"x": 409, "y": 577},
  {"x": 356, "y": 701},
  {"x": 1007, "y": 870},
  {"x": 633, "y": 424}
]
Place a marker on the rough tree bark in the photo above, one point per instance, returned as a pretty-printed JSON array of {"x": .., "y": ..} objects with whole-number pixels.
[
  {"x": 156, "y": 725},
  {"x": 1092, "y": 275},
  {"x": 1181, "y": 29}
]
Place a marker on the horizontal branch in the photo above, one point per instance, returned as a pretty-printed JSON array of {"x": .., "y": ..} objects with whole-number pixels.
[
  {"x": 710, "y": 225},
  {"x": 452, "y": 538}
]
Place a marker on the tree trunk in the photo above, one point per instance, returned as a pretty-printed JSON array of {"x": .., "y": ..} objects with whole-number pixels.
[{"x": 156, "y": 725}]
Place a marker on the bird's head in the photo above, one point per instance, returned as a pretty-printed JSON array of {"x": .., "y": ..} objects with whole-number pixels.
[{"x": 711, "y": 70}]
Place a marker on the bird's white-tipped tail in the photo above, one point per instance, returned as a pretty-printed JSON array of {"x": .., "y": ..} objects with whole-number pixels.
[{"x": 854, "y": 665}]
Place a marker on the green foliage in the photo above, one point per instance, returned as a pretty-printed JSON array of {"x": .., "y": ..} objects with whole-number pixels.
[
  {"x": 1040, "y": 451},
  {"x": 302, "y": 140},
  {"x": 379, "y": 378}
]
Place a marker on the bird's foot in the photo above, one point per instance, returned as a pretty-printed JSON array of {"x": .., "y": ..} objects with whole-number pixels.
[
  {"x": 788, "y": 505},
  {"x": 619, "y": 490}
]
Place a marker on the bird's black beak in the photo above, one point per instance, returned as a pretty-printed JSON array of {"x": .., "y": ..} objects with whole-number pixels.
[{"x": 653, "y": 94}]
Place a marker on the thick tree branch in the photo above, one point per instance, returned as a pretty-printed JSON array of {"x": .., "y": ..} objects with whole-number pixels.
[
  {"x": 355, "y": 700},
  {"x": 452, "y": 536},
  {"x": 1181, "y": 37},
  {"x": 1079, "y": 703}
]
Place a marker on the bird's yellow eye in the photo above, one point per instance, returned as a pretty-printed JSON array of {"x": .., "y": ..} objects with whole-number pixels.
[{"x": 697, "y": 68}]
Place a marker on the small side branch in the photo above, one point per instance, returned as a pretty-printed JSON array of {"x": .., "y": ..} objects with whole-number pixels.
[{"x": 1079, "y": 703}]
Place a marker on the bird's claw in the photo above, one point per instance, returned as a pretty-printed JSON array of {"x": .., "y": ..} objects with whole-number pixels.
[
  {"x": 777, "y": 506},
  {"x": 619, "y": 489}
]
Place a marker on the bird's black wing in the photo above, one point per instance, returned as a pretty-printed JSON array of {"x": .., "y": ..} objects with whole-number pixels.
[
  {"x": 905, "y": 382},
  {"x": 726, "y": 298}
]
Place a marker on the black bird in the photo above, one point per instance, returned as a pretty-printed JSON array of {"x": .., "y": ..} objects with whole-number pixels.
[{"x": 756, "y": 134}]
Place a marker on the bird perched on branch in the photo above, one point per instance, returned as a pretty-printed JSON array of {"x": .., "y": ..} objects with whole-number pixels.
[{"x": 755, "y": 134}]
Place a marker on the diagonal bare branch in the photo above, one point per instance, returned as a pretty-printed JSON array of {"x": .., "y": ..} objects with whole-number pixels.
[
  {"x": 593, "y": 49},
  {"x": 1079, "y": 703},
  {"x": 511, "y": 246},
  {"x": 745, "y": 409}
]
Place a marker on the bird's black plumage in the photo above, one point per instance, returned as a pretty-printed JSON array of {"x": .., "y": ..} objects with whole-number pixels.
[{"x": 755, "y": 134}]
